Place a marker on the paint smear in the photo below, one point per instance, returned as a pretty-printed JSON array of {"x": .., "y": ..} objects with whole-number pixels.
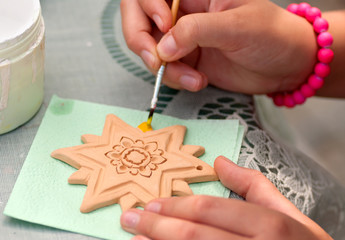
[{"x": 62, "y": 107}]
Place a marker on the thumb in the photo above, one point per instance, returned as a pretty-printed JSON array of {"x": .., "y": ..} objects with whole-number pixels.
[
  {"x": 192, "y": 31},
  {"x": 252, "y": 185},
  {"x": 257, "y": 189}
]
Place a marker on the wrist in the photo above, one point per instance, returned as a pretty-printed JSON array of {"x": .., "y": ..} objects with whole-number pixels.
[
  {"x": 302, "y": 49},
  {"x": 323, "y": 56}
]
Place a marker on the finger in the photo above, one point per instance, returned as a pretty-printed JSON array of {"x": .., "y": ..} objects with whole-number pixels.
[
  {"x": 182, "y": 76},
  {"x": 246, "y": 182},
  {"x": 136, "y": 28},
  {"x": 242, "y": 180},
  {"x": 161, "y": 227},
  {"x": 209, "y": 6},
  {"x": 139, "y": 237},
  {"x": 227, "y": 214},
  {"x": 254, "y": 187},
  {"x": 159, "y": 12},
  {"x": 198, "y": 30}
]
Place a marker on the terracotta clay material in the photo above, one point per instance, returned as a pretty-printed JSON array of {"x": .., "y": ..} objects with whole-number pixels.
[{"x": 131, "y": 167}]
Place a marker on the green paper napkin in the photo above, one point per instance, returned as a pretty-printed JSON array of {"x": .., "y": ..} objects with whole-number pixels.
[{"x": 42, "y": 194}]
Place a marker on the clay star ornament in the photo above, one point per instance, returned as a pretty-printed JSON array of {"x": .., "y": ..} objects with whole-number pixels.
[{"x": 131, "y": 167}]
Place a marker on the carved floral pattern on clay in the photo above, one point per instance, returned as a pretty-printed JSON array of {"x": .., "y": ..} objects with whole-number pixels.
[
  {"x": 136, "y": 157},
  {"x": 130, "y": 167}
]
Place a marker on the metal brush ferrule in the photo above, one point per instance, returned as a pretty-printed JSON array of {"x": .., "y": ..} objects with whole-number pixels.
[{"x": 157, "y": 86}]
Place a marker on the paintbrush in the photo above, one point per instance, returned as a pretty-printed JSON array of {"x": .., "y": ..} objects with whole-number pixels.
[{"x": 146, "y": 126}]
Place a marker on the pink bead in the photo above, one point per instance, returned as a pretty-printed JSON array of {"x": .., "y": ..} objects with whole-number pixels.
[
  {"x": 278, "y": 100},
  {"x": 303, "y": 8},
  {"x": 288, "y": 101},
  {"x": 320, "y": 25},
  {"x": 298, "y": 97},
  {"x": 322, "y": 70},
  {"x": 325, "y": 39},
  {"x": 292, "y": 8},
  {"x": 315, "y": 82},
  {"x": 307, "y": 91},
  {"x": 312, "y": 14},
  {"x": 325, "y": 55}
]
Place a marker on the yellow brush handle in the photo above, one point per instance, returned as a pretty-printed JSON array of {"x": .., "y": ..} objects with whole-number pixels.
[{"x": 174, "y": 9}]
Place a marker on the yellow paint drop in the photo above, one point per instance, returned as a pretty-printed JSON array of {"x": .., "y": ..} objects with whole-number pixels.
[{"x": 145, "y": 126}]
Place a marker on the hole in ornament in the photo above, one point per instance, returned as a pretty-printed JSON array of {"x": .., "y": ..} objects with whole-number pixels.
[{"x": 199, "y": 168}]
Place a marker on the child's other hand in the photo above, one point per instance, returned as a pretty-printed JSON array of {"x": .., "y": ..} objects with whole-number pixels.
[
  {"x": 250, "y": 46},
  {"x": 266, "y": 214}
]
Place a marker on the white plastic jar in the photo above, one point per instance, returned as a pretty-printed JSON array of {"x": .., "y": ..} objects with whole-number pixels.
[{"x": 21, "y": 62}]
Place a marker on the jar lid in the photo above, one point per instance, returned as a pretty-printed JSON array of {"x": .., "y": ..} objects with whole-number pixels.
[{"x": 17, "y": 17}]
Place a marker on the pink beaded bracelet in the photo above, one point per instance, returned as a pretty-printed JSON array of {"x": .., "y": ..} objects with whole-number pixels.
[{"x": 324, "y": 55}]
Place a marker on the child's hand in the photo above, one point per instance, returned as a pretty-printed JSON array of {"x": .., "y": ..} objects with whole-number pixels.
[
  {"x": 266, "y": 214},
  {"x": 250, "y": 46}
]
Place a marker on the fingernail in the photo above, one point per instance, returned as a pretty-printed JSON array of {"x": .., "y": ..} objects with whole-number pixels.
[
  {"x": 130, "y": 219},
  {"x": 153, "y": 207},
  {"x": 139, "y": 237},
  {"x": 148, "y": 58},
  {"x": 167, "y": 46},
  {"x": 227, "y": 160},
  {"x": 188, "y": 82},
  {"x": 158, "y": 21}
]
